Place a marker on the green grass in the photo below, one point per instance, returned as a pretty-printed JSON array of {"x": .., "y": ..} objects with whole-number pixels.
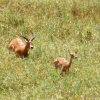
[{"x": 59, "y": 25}]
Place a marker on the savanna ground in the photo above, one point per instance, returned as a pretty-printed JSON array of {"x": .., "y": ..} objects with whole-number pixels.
[{"x": 59, "y": 25}]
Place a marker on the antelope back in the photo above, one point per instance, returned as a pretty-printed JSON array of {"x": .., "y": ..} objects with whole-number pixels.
[{"x": 15, "y": 43}]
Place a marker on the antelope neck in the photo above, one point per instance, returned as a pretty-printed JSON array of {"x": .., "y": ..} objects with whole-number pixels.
[{"x": 70, "y": 62}]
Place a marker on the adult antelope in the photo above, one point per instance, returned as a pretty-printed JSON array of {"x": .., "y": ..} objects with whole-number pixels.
[
  {"x": 63, "y": 64},
  {"x": 19, "y": 47}
]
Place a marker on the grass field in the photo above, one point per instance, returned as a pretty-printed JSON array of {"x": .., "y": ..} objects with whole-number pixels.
[{"x": 59, "y": 25}]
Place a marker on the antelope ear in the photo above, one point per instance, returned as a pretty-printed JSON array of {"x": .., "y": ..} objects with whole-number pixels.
[
  {"x": 68, "y": 51},
  {"x": 76, "y": 52}
]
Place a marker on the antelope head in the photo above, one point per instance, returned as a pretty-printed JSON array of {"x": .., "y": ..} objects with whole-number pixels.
[
  {"x": 73, "y": 54},
  {"x": 29, "y": 41}
]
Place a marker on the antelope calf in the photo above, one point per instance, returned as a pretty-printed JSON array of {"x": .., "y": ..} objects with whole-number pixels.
[
  {"x": 19, "y": 47},
  {"x": 63, "y": 64}
]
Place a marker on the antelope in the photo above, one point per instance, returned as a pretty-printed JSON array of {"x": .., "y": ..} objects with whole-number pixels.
[
  {"x": 19, "y": 47},
  {"x": 63, "y": 64}
]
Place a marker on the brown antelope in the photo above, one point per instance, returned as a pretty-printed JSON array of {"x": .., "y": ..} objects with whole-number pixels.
[
  {"x": 63, "y": 64},
  {"x": 19, "y": 47}
]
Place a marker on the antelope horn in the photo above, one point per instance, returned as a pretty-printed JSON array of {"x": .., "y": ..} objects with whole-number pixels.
[
  {"x": 25, "y": 38},
  {"x": 33, "y": 37}
]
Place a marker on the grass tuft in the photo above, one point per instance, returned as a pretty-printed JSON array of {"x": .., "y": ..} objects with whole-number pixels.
[{"x": 59, "y": 25}]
